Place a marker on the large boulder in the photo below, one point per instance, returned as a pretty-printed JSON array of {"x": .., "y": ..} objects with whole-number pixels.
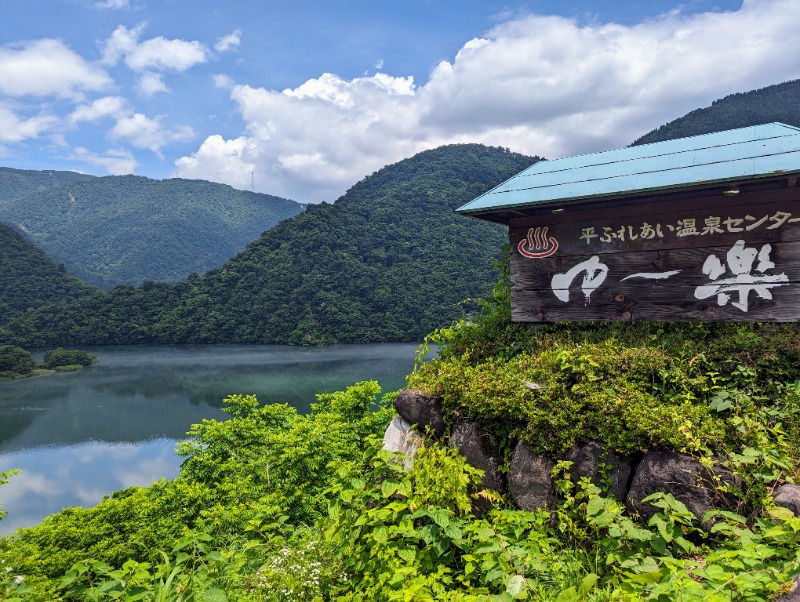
[
  {"x": 481, "y": 451},
  {"x": 420, "y": 410},
  {"x": 529, "y": 482},
  {"x": 605, "y": 468},
  {"x": 400, "y": 437},
  {"x": 788, "y": 496},
  {"x": 682, "y": 476}
]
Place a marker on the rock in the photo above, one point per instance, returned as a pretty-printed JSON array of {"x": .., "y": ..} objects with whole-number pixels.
[
  {"x": 788, "y": 496},
  {"x": 420, "y": 410},
  {"x": 587, "y": 460},
  {"x": 400, "y": 438},
  {"x": 684, "y": 477},
  {"x": 793, "y": 595},
  {"x": 529, "y": 481},
  {"x": 481, "y": 451}
]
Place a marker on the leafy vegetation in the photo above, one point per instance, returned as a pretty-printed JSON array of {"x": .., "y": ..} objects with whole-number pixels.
[
  {"x": 30, "y": 279},
  {"x": 128, "y": 229},
  {"x": 780, "y": 102},
  {"x": 411, "y": 265},
  {"x": 273, "y": 505},
  {"x": 16, "y": 362}
]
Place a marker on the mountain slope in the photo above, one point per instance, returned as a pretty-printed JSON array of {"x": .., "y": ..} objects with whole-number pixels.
[
  {"x": 128, "y": 229},
  {"x": 780, "y": 102},
  {"x": 389, "y": 261},
  {"x": 30, "y": 279},
  {"x": 19, "y": 183}
]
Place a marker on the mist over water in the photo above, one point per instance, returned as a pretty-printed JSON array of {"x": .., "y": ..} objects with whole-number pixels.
[{"x": 79, "y": 436}]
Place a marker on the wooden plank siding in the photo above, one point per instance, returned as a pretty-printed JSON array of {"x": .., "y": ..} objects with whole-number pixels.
[{"x": 709, "y": 259}]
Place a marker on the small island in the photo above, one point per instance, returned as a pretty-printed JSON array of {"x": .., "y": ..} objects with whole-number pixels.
[{"x": 16, "y": 362}]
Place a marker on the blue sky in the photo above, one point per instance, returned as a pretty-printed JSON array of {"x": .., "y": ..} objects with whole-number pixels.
[{"x": 302, "y": 99}]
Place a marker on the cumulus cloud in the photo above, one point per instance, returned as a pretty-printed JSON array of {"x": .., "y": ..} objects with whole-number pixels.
[
  {"x": 141, "y": 131},
  {"x": 48, "y": 67},
  {"x": 229, "y": 42},
  {"x": 101, "y": 108},
  {"x": 541, "y": 85},
  {"x": 14, "y": 128},
  {"x": 155, "y": 54},
  {"x": 150, "y": 84},
  {"x": 116, "y": 162}
]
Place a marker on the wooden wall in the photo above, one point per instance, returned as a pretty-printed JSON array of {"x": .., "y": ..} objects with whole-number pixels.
[{"x": 710, "y": 259}]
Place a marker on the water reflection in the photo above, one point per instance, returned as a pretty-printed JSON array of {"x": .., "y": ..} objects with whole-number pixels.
[{"x": 82, "y": 435}]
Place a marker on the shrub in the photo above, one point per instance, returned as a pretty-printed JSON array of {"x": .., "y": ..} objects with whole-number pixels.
[{"x": 68, "y": 357}]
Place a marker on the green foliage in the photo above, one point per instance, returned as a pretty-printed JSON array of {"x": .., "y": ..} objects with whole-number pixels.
[
  {"x": 30, "y": 279},
  {"x": 60, "y": 357},
  {"x": 412, "y": 264},
  {"x": 15, "y": 362},
  {"x": 773, "y": 103}
]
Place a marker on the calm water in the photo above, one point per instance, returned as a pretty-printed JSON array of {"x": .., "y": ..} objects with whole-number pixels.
[{"x": 77, "y": 437}]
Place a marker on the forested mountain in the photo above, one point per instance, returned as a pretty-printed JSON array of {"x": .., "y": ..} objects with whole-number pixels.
[
  {"x": 389, "y": 261},
  {"x": 30, "y": 279},
  {"x": 19, "y": 183},
  {"x": 780, "y": 102},
  {"x": 128, "y": 229}
]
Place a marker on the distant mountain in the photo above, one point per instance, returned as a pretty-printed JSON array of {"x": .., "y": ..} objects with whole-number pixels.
[
  {"x": 128, "y": 229},
  {"x": 389, "y": 261},
  {"x": 780, "y": 102},
  {"x": 19, "y": 183},
  {"x": 30, "y": 279}
]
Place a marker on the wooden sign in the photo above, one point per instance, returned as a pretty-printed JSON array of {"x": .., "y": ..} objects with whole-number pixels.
[{"x": 711, "y": 259}]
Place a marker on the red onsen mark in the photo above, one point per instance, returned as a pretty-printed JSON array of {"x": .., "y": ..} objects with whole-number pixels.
[{"x": 537, "y": 245}]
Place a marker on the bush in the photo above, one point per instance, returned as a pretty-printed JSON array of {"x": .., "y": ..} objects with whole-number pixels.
[
  {"x": 68, "y": 357},
  {"x": 15, "y": 360}
]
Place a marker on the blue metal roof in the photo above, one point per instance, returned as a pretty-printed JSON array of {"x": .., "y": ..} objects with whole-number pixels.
[{"x": 734, "y": 155}]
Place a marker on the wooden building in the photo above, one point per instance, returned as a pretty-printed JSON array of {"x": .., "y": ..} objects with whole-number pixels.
[{"x": 705, "y": 228}]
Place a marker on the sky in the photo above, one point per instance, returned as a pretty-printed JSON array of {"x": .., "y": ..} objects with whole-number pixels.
[{"x": 303, "y": 99}]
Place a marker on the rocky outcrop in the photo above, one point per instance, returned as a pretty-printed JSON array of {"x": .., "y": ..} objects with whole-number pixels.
[
  {"x": 421, "y": 411},
  {"x": 480, "y": 450},
  {"x": 605, "y": 468},
  {"x": 788, "y": 496},
  {"x": 400, "y": 437},
  {"x": 529, "y": 480},
  {"x": 682, "y": 476}
]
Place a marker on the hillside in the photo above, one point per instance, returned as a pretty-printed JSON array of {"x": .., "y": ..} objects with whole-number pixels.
[
  {"x": 19, "y": 183},
  {"x": 389, "y": 261},
  {"x": 128, "y": 229},
  {"x": 30, "y": 279},
  {"x": 780, "y": 102}
]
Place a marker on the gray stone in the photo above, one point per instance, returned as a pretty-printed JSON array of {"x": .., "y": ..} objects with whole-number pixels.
[
  {"x": 420, "y": 410},
  {"x": 788, "y": 496},
  {"x": 587, "y": 461},
  {"x": 682, "y": 476},
  {"x": 399, "y": 437},
  {"x": 482, "y": 452},
  {"x": 529, "y": 481},
  {"x": 793, "y": 595}
]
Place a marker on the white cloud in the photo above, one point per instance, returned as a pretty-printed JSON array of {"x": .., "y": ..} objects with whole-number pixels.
[
  {"x": 107, "y": 106},
  {"x": 116, "y": 162},
  {"x": 223, "y": 81},
  {"x": 16, "y": 129},
  {"x": 144, "y": 132},
  {"x": 48, "y": 67},
  {"x": 155, "y": 54},
  {"x": 150, "y": 84},
  {"x": 229, "y": 42},
  {"x": 541, "y": 85},
  {"x": 113, "y": 4}
]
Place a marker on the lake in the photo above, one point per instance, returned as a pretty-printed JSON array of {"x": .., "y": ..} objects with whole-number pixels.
[{"x": 80, "y": 436}]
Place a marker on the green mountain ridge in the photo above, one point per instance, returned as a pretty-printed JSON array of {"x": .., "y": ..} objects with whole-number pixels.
[
  {"x": 19, "y": 183},
  {"x": 780, "y": 102},
  {"x": 128, "y": 229},
  {"x": 389, "y": 261},
  {"x": 30, "y": 279}
]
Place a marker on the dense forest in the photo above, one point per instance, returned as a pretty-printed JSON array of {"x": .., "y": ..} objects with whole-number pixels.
[
  {"x": 389, "y": 261},
  {"x": 30, "y": 279},
  {"x": 19, "y": 183},
  {"x": 780, "y": 102},
  {"x": 128, "y": 229}
]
